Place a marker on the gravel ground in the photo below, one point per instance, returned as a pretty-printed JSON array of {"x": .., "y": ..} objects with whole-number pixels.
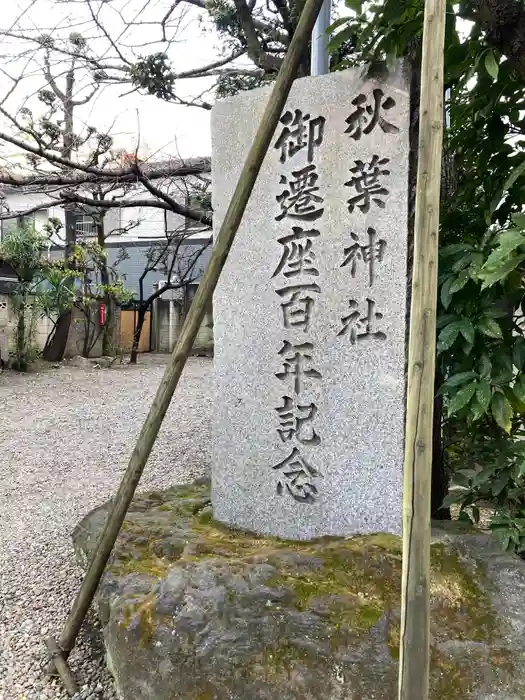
[{"x": 65, "y": 438}]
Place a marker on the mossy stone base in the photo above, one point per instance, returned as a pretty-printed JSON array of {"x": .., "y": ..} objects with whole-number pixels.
[{"x": 192, "y": 610}]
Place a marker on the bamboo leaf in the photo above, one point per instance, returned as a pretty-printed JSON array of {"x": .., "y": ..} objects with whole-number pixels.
[{"x": 502, "y": 411}]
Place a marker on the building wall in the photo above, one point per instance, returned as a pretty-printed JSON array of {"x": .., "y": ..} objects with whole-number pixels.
[
  {"x": 164, "y": 339},
  {"x": 21, "y": 201},
  {"x": 149, "y": 222},
  {"x": 43, "y": 326}
]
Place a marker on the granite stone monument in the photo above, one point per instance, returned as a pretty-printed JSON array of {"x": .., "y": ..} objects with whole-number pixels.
[{"x": 309, "y": 315}]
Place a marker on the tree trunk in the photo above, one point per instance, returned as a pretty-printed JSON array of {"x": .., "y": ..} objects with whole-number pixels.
[
  {"x": 136, "y": 336},
  {"x": 21, "y": 358},
  {"x": 108, "y": 332},
  {"x": 109, "y": 345},
  {"x": 57, "y": 347}
]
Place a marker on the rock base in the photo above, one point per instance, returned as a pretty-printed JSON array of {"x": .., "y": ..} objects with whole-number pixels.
[{"x": 192, "y": 610}]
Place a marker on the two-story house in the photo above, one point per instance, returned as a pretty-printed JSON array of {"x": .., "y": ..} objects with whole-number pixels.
[{"x": 135, "y": 238}]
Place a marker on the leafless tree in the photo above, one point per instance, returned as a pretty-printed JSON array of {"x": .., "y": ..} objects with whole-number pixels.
[{"x": 68, "y": 161}]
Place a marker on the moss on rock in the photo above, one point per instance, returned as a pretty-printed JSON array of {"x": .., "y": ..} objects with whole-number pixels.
[{"x": 313, "y": 615}]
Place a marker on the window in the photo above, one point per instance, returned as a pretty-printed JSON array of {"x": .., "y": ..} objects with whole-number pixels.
[{"x": 85, "y": 226}]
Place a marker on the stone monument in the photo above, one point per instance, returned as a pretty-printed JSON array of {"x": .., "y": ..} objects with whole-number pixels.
[{"x": 309, "y": 315}]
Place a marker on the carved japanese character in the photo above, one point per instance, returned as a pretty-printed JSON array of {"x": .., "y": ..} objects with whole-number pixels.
[
  {"x": 299, "y": 200},
  {"x": 297, "y": 256},
  {"x": 367, "y": 253},
  {"x": 359, "y": 327},
  {"x": 297, "y": 360},
  {"x": 295, "y": 422},
  {"x": 300, "y": 131},
  {"x": 297, "y": 310},
  {"x": 298, "y": 476},
  {"x": 365, "y": 117},
  {"x": 367, "y": 185}
]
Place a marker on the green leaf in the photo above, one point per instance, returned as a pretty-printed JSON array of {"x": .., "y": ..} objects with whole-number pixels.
[
  {"x": 489, "y": 275},
  {"x": 460, "y": 378},
  {"x": 515, "y": 174},
  {"x": 518, "y": 353},
  {"x": 464, "y": 517},
  {"x": 503, "y": 370},
  {"x": 490, "y": 327},
  {"x": 461, "y": 398},
  {"x": 500, "y": 482},
  {"x": 518, "y": 220},
  {"x": 460, "y": 281},
  {"x": 446, "y": 294},
  {"x": 519, "y": 389},
  {"x": 485, "y": 365},
  {"x": 354, "y": 5},
  {"x": 502, "y": 411},
  {"x": 491, "y": 65},
  {"x": 483, "y": 394},
  {"x": 454, "y": 496},
  {"x": 448, "y": 335},
  {"x": 509, "y": 241},
  {"x": 467, "y": 330},
  {"x": 475, "y": 410},
  {"x": 454, "y": 248},
  {"x": 462, "y": 263}
]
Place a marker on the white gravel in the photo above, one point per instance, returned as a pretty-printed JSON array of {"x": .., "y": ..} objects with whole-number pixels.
[{"x": 65, "y": 438}]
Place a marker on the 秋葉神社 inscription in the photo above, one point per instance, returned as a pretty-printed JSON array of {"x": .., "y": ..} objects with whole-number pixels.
[{"x": 309, "y": 315}]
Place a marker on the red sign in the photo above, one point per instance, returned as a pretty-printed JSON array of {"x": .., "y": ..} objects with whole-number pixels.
[{"x": 102, "y": 314}]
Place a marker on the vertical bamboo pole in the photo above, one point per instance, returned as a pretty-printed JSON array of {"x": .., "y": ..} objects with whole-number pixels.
[
  {"x": 161, "y": 402},
  {"x": 414, "y": 662}
]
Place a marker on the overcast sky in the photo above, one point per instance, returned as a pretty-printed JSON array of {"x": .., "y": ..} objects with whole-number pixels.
[{"x": 163, "y": 127}]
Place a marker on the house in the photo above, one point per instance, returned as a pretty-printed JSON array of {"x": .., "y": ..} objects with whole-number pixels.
[
  {"x": 133, "y": 235},
  {"x": 37, "y": 205}
]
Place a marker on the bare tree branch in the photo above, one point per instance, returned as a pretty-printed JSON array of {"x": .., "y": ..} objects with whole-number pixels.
[
  {"x": 115, "y": 176},
  {"x": 255, "y": 52}
]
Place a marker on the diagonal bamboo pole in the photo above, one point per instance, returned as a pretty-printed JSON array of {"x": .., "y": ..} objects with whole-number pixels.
[
  {"x": 414, "y": 663},
  {"x": 171, "y": 377}
]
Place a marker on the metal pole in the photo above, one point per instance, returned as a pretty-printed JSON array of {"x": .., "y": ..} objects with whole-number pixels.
[{"x": 320, "y": 58}]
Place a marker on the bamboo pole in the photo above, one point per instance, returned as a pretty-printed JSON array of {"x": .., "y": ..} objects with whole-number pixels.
[
  {"x": 191, "y": 326},
  {"x": 414, "y": 664},
  {"x": 61, "y": 666}
]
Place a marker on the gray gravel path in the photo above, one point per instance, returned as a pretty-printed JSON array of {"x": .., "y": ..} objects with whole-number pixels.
[{"x": 65, "y": 438}]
